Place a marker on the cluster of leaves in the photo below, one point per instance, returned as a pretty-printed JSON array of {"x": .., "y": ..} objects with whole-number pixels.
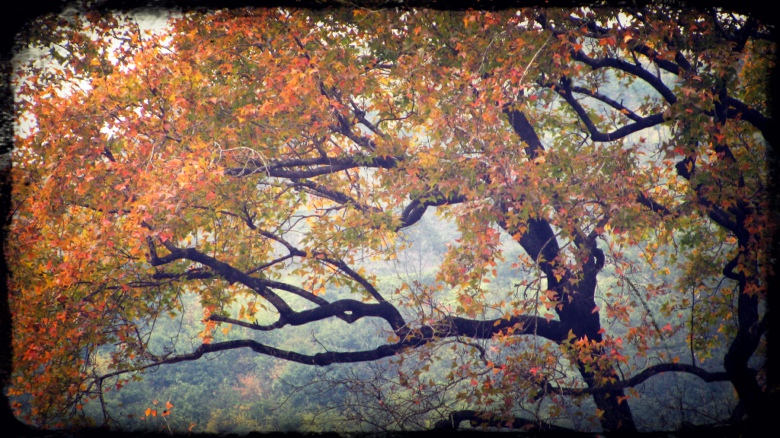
[{"x": 276, "y": 155}]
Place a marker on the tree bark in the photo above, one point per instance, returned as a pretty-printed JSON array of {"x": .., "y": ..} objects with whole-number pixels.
[{"x": 578, "y": 307}]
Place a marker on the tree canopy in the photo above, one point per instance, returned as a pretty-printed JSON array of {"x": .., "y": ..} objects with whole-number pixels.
[{"x": 604, "y": 171}]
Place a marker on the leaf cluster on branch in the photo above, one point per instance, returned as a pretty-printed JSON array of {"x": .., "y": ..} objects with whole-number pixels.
[{"x": 274, "y": 159}]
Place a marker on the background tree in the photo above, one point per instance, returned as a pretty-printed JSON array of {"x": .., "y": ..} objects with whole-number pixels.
[{"x": 266, "y": 161}]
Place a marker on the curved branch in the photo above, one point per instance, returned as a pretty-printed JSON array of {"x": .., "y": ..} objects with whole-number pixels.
[
  {"x": 703, "y": 374},
  {"x": 290, "y": 248},
  {"x": 686, "y": 169},
  {"x": 665, "y": 64},
  {"x": 525, "y": 131},
  {"x": 319, "y": 359},
  {"x": 716, "y": 213},
  {"x": 635, "y": 70},
  {"x": 353, "y": 275},
  {"x": 346, "y": 310},
  {"x": 311, "y": 166},
  {"x": 413, "y": 212},
  {"x": 728, "y": 270},
  {"x": 224, "y": 270},
  {"x": 350, "y": 311},
  {"x": 303, "y": 293},
  {"x": 449, "y": 327},
  {"x": 287, "y": 316},
  {"x": 654, "y": 206},
  {"x": 598, "y": 96},
  {"x": 736, "y": 109},
  {"x": 565, "y": 91},
  {"x": 598, "y": 32}
]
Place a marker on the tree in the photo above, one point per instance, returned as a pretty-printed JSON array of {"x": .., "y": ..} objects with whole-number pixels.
[{"x": 270, "y": 155}]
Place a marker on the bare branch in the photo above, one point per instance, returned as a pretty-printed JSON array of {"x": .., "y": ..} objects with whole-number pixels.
[
  {"x": 302, "y": 168},
  {"x": 565, "y": 91},
  {"x": 229, "y": 273},
  {"x": 632, "y": 69},
  {"x": 703, "y": 374}
]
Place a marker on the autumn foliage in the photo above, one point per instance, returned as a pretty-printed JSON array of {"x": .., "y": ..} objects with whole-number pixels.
[{"x": 276, "y": 155}]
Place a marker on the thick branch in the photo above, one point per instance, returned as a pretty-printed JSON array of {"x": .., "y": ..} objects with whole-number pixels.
[
  {"x": 413, "y": 212},
  {"x": 635, "y": 70},
  {"x": 303, "y": 293},
  {"x": 632, "y": 69},
  {"x": 664, "y": 64},
  {"x": 598, "y": 32},
  {"x": 737, "y": 109},
  {"x": 525, "y": 131},
  {"x": 229, "y": 273},
  {"x": 654, "y": 206},
  {"x": 410, "y": 339},
  {"x": 346, "y": 310},
  {"x": 302, "y": 168},
  {"x": 565, "y": 91},
  {"x": 319, "y": 359},
  {"x": 611, "y": 102},
  {"x": 367, "y": 286},
  {"x": 485, "y": 329}
]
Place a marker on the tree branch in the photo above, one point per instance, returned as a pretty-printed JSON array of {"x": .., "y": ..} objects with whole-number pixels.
[
  {"x": 413, "y": 212},
  {"x": 229, "y": 273},
  {"x": 565, "y": 90},
  {"x": 736, "y": 109},
  {"x": 598, "y": 96},
  {"x": 367, "y": 286},
  {"x": 632, "y": 69},
  {"x": 648, "y": 202},
  {"x": 449, "y": 327},
  {"x": 312, "y": 166},
  {"x": 338, "y": 197},
  {"x": 346, "y": 310},
  {"x": 703, "y": 374}
]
